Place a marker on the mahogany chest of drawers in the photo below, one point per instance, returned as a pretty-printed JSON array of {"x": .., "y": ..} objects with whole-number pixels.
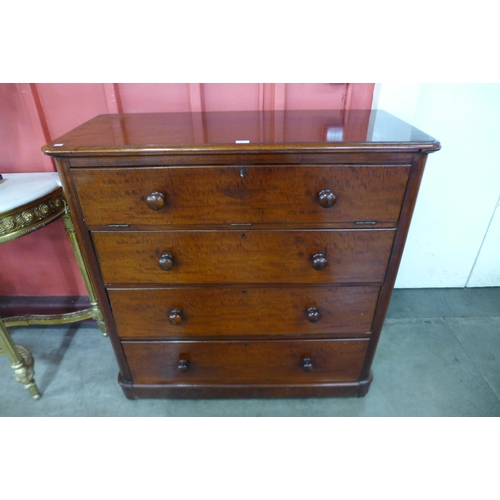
[{"x": 243, "y": 254}]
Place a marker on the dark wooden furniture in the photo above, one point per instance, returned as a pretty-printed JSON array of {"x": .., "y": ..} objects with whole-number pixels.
[{"x": 243, "y": 254}]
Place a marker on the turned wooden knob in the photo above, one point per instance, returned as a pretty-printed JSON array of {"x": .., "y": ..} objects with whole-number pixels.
[
  {"x": 166, "y": 262},
  {"x": 307, "y": 365},
  {"x": 319, "y": 261},
  {"x": 183, "y": 365},
  {"x": 326, "y": 198},
  {"x": 175, "y": 317},
  {"x": 156, "y": 200},
  {"x": 313, "y": 315}
]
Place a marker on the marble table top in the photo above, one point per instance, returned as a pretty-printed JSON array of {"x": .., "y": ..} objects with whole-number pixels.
[{"x": 19, "y": 189}]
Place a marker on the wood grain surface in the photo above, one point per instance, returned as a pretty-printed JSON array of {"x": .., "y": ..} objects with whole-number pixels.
[
  {"x": 240, "y": 194},
  {"x": 245, "y": 362},
  {"x": 249, "y": 310},
  {"x": 354, "y": 256}
]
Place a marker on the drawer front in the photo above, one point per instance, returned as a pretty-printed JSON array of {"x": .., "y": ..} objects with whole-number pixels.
[
  {"x": 234, "y": 362},
  {"x": 185, "y": 312},
  {"x": 335, "y": 256},
  {"x": 241, "y": 194}
]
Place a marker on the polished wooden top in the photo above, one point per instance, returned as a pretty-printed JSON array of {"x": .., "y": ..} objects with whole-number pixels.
[{"x": 157, "y": 133}]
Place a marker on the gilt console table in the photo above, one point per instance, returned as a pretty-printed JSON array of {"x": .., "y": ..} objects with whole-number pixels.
[
  {"x": 243, "y": 254},
  {"x": 28, "y": 202}
]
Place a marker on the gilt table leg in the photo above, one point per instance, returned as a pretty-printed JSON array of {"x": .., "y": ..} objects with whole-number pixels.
[
  {"x": 21, "y": 360},
  {"x": 96, "y": 312}
]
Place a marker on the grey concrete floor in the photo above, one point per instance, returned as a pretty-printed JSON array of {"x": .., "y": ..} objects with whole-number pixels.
[{"x": 438, "y": 355}]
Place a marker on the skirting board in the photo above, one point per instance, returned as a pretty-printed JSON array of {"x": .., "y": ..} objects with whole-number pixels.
[{"x": 19, "y": 306}]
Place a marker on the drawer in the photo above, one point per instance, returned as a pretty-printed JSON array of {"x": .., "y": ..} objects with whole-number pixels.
[
  {"x": 234, "y": 362},
  {"x": 249, "y": 310},
  {"x": 241, "y": 194},
  {"x": 253, "y": 256}
]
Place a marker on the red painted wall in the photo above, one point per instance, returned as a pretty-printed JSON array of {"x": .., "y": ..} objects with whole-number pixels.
[{"x": 42, "y": 263}]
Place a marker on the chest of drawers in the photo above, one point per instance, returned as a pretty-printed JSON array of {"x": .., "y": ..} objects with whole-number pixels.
[{"x": 243, "y": 254}]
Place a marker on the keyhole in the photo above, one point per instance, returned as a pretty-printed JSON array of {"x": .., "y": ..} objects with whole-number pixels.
[
  {"x": 243, "y": 235},
  {"x": 242, "y": 172}
]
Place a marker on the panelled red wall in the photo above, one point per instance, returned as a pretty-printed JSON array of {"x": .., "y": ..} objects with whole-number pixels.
[{"x": 42, "y": 263}]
